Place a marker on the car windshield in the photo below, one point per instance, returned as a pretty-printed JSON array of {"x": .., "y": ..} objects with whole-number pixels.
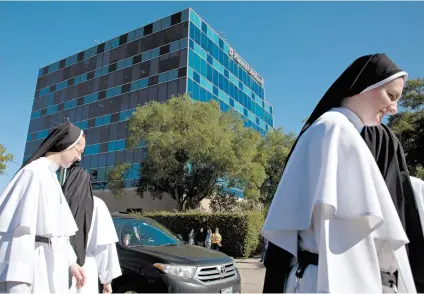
[{"x": 137, "y": 232}]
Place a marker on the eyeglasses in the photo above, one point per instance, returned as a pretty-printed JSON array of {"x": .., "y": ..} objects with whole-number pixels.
[{"x": 80, "y": 152}]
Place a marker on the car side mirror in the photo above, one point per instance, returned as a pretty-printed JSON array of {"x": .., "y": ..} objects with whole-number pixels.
[{"x": 180, "y": 237}]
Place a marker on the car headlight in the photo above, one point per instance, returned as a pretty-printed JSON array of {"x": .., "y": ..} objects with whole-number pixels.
[{"x": 182, "y": 271}]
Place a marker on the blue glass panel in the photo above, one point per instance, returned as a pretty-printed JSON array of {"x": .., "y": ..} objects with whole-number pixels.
[
  {"x": 70, "y": 104},
  {"x": 109, "y": 92},
  {"x": 184, "y": 15},
  {"x": 215, "y": 91},
  {"x": 154, "y": 53},
  {"x": 197, "y": 34},
  {"x": 196, "y": 62},
  {"x": 120, "y": 145},
  {"x": 190, "y": 72},
  {"x": 221, "y": 43},
  {"x": 157, "y": 26},
  {"x": 29, "y": 137},
  {"x": 195, "y": 18},
  {"x": 131, "y": 36},
  {"x": 115, "y": 43},
  {"x": 145, "y": 56},
  {"x": 36, "y": 114},
  {"x": 96, "y": 148},
  {"x": 106, "y": 119},
  {"x": 183, "y": 43},
  {"x": 117, "y": 90},
  {"x": 112, "y": 146},
  {"x": 51, "y": 109},
  {"x": 174, "y": 46},
  {"x": 135, "y": 85},
  {"x": 209, "y": 73},
  {"x": 120, "y": 64},
  {"x": 173, "y": 75},
  {"x": 166, "y": 22},
  {"x": 226, "y": 73},
  {"x": 98, "y": 73},
  {"x": 84, "y": 125},
  {"x": 196, "y": 91},
  {"x": 144, "y": 83},
  {"x": 139, "y": 33},
  {"x": 122, "y": 115},
  {"x": 44, "y": 91},
  {"x": 99, "y": 121},
  {"x": 204, "y": 27},
  {"x": 232, "y": 102},
  {"x": 190, "y": 87},
  {"x": 163, "y": 78},
  {"x": 196, "y": 77},
  {"x": 203, "y": 95},
  {"x": 190, "y": 58}
]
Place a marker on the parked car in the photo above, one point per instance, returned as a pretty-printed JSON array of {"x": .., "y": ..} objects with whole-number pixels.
[{"x": 155, "y": 260}]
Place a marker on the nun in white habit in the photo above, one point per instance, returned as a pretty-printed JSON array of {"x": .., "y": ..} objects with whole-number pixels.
[
  {"x": 332, "y": 213},
  {"x": 390, "y": 158},
  {"x": 418, "y": 186},
  {"x": 36, "y": 222},
  {"x": 94, "y": 243}
]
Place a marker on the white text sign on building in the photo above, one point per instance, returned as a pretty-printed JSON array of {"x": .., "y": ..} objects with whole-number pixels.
[{"x": 245, "y": 66}]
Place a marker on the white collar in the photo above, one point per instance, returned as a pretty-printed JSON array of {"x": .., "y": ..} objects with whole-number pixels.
[{"x": 351, "y": 116}]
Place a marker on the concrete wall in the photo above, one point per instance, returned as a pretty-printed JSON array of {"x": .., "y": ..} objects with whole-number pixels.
[{"x": 130, "y": 200}]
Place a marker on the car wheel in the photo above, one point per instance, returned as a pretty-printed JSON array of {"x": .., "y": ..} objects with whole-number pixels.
[{"x": 132, "y": 288}]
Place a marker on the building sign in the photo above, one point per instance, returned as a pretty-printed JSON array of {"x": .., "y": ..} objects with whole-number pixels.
[{"x": 245, "y": 66}]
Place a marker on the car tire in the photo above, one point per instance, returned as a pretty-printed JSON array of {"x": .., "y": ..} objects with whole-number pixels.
[{"x": 132, "y": 287}]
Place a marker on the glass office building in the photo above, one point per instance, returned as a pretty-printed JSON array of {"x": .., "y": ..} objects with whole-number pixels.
[{"x": 99, "y": 88}]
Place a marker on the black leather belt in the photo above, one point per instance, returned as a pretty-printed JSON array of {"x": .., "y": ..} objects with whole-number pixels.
[
  {"x": 43, "y": 240},
  {"x": 306, "y": 258}
]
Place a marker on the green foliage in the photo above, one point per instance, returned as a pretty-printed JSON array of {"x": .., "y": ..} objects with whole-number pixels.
[
  {"x": 413, "y": 94},
  {"x": 275, "y": 148},
  {"x": 191, "y": 146},
  {"x": 4, "y": 159},
  {"x": 223, "y": 201},
  {"x": 116, "y": 179},
  {"x": 239, "y": 231},
  {"x": 419, "y": 172},
  {"x": 408, "y": 125}
]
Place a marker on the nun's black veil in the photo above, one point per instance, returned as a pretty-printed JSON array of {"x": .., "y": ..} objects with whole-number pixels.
[
  {"x": 390, "y": 158},
  {"x": 58, "y": 140},
  {"x": 364, "y": 73}
]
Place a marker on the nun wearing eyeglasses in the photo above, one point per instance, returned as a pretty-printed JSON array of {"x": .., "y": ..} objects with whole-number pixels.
[
  {"x": 94, "y": 243},
  {"x": 332, "y": 220},
  {"x": 36, "y": 222}
]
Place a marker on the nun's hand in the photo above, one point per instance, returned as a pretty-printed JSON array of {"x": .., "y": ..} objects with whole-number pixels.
[
  {"x": 107, "y": 288},
  {"x": 79, "y": 275}
]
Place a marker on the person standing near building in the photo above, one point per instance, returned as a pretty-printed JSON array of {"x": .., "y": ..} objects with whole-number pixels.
[
  {"x": 200, "y": 237},
  {"x": 332, "y": 216},
  {"x": 94, "y": 243},
  {"x": 36, "y": 222},
  {"x": 216, "y": 240},
  {"x": 390, "y": 158}
]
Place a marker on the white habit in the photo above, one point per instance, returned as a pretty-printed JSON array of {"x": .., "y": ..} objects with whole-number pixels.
[
  {"x": 101, "y": 260},
  {"x": 333, "y": 196},
  {"x": 418, "y": 186},
  {"x": 33, "y": 204}
]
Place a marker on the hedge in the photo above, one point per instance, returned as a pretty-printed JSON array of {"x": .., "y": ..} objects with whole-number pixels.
[{"x": 239, "y": 231}]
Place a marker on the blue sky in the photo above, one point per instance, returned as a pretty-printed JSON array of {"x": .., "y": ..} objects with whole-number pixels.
[{"x": 299, "y": 48}]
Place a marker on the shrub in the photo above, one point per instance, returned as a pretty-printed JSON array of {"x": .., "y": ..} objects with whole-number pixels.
[{"x": 239, "y": 231}]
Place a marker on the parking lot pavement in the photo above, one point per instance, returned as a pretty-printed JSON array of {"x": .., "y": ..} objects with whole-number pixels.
[{"x": 252, "y": 274}]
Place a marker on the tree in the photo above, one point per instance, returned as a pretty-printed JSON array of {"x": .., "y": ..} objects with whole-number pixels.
[
  {"x": 408, "y": 125},
  {"x": 275, "y": 147},
  {"x": 223, "y": 201},
  {"x": 191, "y": 147},
  {"x": 4, "y": 159}
]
